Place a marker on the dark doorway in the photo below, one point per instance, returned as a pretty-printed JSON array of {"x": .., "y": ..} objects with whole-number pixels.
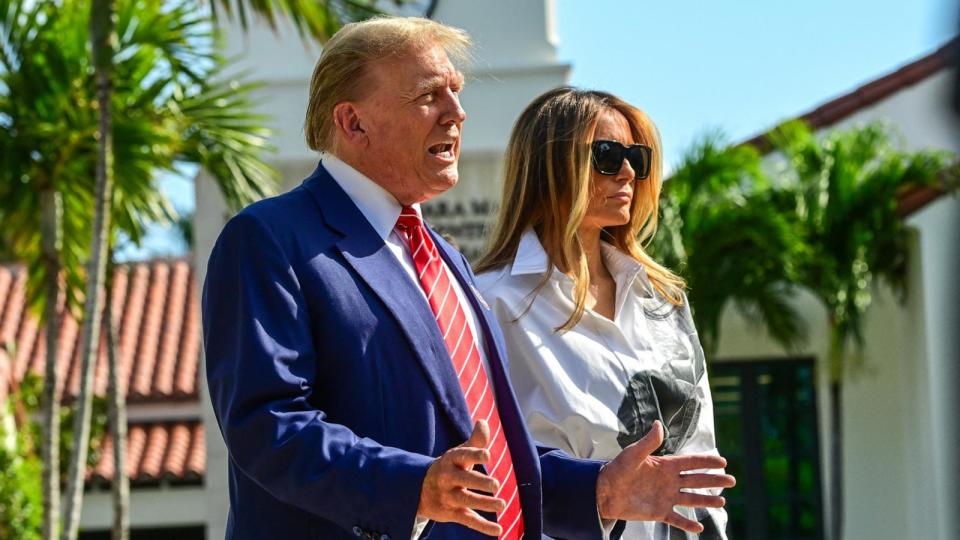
[{"x": 767, "y": 428}]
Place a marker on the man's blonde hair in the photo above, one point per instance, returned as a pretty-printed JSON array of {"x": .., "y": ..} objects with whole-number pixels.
[{"x": 341, "y": 72}]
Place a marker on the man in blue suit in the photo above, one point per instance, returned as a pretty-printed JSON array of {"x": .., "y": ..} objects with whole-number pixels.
[{"x": 332, "y": 383}]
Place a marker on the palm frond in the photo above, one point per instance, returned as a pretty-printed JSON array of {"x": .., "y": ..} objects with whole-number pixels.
[
  {"x": 318, "y": 19},
  {"x": 175, "y": 34},
  {"x": 172, "y": 104},
  {"x": 226, "y": 137},
  {"x": 721, "y": 229},
  {"x": 847, "y": 184}
]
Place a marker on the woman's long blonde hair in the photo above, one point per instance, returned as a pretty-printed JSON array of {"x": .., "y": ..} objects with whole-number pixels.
[{"x": 547, "y": 187}]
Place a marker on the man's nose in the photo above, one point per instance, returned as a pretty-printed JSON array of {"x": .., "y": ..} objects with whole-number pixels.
[{"x": 454, "y": 111}]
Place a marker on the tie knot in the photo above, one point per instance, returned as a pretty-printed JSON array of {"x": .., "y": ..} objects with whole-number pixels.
[{"x": 408, "y": 219}]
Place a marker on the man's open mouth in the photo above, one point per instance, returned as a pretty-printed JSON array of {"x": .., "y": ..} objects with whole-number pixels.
[{"x": 443, "y": 150}]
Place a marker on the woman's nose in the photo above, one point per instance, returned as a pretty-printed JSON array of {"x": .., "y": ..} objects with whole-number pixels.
[{"x": 626, "y": 172}]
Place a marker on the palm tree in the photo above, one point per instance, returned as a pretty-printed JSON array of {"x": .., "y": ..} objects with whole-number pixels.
[
  {"x": 845, "y": 187},
  {"x": 172, "y": 105},
  {"x": 717, "y": 229},
  {"x": 37, "y": 152},
  {"x": 320, "y": 18},
  {"x": 117, "y": 411},
  {"x": 101, "y": 41}
]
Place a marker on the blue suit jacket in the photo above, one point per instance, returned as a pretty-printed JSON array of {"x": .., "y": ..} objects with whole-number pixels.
[{"x": 334, "y": 390}]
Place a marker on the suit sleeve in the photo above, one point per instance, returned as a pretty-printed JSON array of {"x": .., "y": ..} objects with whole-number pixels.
[
  {"x": 570, "y": 497},
  {"x": 261, "y": 370}
]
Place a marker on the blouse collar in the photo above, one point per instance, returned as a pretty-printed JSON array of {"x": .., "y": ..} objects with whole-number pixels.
[{"x": 531, "y": 258}]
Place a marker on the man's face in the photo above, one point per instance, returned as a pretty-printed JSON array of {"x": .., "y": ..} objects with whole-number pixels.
[{"x": 412, "y": 119}]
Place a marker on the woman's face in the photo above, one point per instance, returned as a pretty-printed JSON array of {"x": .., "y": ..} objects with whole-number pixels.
[{"x": 610, "y": 195}]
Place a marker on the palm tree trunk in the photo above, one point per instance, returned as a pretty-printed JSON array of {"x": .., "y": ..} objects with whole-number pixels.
[
  {"x": 836, "y": 432},
  {"x": 120, "y": 489},
  {"x": 102, "y": 40},
  {"x": 50, "y": 218}
]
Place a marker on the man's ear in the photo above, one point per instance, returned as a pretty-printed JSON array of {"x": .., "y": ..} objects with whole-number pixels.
[{"x": 346, "y": 118}]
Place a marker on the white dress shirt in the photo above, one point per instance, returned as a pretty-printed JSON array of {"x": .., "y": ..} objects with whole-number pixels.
[
  {"x": 382, "y": 211},
  {"x": 573, "y": 386}
]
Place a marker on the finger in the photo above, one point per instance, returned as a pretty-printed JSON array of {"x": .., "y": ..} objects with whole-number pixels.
[
  {"x": 478, "y": 481},
  {"x": 681, "y": 522},
  {"x": 697, "y": 500},
  {"x": 468, "y": 457},
  {"x": 477, "y": 501},
  {"x": 651, "y": 441},
  {"x": 480, "y": 438},
  {"x": 699, "y": 461},
  {"x": 705, "y": 480},
  {"x": 473, "y": 520}
]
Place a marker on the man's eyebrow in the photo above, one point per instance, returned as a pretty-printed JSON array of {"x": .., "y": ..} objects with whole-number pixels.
[{"x": 432, "y": 83}]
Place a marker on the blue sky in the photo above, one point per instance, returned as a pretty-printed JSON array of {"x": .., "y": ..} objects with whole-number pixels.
[
  {"x": 736, "y": 65},
  {"x": 741, "y": 65}
]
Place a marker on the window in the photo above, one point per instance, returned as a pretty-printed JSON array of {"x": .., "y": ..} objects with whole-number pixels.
[{"x": 766, "y": 423}]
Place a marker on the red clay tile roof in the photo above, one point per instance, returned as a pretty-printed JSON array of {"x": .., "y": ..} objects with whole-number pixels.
[
  {"x": 158, "y": 339},
  {"x": 837, "y": 109},
  {"x": 913, "y": 198},
  {"x": 158, "y": 333},
  {"x": 163, "y": 451}
]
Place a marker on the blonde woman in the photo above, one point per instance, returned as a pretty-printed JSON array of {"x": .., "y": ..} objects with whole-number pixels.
[{"x": 599, "y": 336}]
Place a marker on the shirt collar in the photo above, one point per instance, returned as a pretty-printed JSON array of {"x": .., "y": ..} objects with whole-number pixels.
[
  {"x": 625, "y": 269},
  {"x": 531, "y": 258},
  {"x": 375, "y": 203}
]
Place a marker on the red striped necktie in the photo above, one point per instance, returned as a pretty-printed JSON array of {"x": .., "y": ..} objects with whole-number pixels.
[{"x": 464, "y": 353}]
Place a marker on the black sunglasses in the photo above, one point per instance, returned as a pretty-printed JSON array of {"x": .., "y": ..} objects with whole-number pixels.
[{"x": 608, "y": 157}]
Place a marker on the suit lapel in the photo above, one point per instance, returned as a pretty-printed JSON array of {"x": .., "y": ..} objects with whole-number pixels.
[{"x": 371, "y": 259}]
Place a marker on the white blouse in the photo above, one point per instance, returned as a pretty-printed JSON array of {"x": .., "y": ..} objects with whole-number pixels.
[{"x": 598, "y": 387}]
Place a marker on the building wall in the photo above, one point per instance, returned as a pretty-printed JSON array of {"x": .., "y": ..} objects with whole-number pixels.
[
  {"x": 935, "y": 390},
  {"x": 921, "y": 345},
  {"x": 149, "y": 507},
  {"x": 919, "y": 112}
]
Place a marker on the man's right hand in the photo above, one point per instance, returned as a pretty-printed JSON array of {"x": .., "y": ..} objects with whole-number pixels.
[
  {"x": 449, "y": 492},
  {"x": 642, "y": 487}
]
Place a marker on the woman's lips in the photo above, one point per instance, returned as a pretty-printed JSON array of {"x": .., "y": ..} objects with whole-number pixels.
[{"x": 624, "y": 197}]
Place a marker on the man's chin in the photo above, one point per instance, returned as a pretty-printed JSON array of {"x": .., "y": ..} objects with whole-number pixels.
[
  {"x": 448, "y": 176},
  {"x": 440, "y": 183}
]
